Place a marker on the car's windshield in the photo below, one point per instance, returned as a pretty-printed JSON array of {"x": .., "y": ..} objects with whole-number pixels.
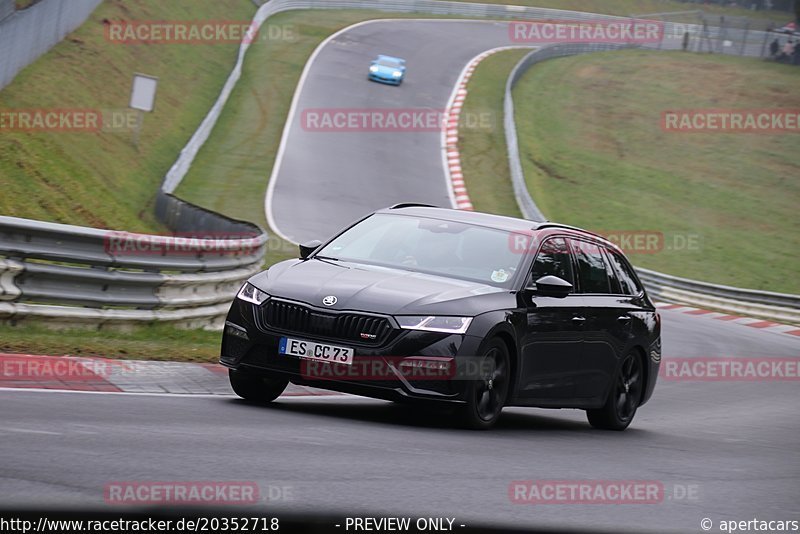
[
  {"x": 388, "y": 63},
  {"x": 432, "y": 246}
]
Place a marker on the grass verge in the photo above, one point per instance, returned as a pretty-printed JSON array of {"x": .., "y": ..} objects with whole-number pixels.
[
  {"x": 485, "y": 171},
  {"x": 626, "y": 8},
  {"x": 100, "y": 179},
  {"x": 232, "y": 170},
  {"x": 156, "y": 342},
  {"x": 595, "y": 156}
]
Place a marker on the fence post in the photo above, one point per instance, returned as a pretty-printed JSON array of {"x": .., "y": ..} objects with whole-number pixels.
[
  {"x": 744, "y": 39},
  {"x": 764, "y": 44}
]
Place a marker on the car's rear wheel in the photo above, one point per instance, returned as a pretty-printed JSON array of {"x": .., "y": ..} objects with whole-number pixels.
[
  {"x": 624, "y": 397},
  {"x": 487, "y": 395},
  {"x": 256, "y": 388}
]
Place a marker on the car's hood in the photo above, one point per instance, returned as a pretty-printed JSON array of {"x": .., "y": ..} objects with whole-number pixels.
[
  {"x": 387, "y": 71},
  {"x": 379, "y": 289}
]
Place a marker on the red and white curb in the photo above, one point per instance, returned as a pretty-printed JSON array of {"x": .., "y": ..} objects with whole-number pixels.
[
  {"x": 107, "y": 375},
  {"x": 452, "y": 158},
  {"x": 760, "y": 324}
]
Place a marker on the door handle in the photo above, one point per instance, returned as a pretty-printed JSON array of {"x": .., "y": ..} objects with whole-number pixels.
[
  {"x": 624, "y": 318},
  {"x": 578, "y": 320}
]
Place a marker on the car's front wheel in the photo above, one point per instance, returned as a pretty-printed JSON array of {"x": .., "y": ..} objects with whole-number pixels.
[
  {"x": 487, "y": 395},
  {"x": 624, "y": 397},
  {"x": 256, "y": 388}
]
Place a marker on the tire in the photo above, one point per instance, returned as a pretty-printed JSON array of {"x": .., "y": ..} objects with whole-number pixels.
[
  {"x": 255, "y": 388},
  {"x": 486, "y": 397},
  {"x": 623, "y": 397}
]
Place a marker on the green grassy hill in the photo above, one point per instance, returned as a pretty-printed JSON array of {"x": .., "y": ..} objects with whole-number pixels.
[
  {"x": 98, "y": 178},
  {"x": 595, "y": 155}
]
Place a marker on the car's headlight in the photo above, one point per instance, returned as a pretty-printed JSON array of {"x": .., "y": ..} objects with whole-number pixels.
[
  {"x": 397, "y": 74},
  {"x": 373, "y": 68},
  {"x": 251, "y": 293},
  {"x": 450, "y": 325}
]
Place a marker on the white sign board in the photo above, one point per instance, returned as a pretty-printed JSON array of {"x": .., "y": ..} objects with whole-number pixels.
[{"x": 143, "y": 92}]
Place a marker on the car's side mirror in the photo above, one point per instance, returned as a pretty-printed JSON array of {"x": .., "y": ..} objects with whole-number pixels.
[
  {"x": 308, "y": 247},
  {"x": 551, "y": 286}
]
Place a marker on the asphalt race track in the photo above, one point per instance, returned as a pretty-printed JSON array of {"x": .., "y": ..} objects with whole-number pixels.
[
  {"x": 322, "y": 180},
  {"x": 723, "y": 450},
  {"x": 325, "y": 180}
]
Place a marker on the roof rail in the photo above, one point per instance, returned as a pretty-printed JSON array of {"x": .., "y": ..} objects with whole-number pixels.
[
  {"x": 549, "y": 224},
  {"x": 411, "y": 205}
]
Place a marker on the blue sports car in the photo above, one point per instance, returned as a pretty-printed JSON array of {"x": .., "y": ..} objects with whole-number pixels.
[{"x": 387, "y": 69}]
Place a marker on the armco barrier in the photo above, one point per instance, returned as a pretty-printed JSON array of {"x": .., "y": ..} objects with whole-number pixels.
[
  {"x": 74, "y": 275},
  {"x": 663, "y": 287},
  {"x": 764, "y": 304}
]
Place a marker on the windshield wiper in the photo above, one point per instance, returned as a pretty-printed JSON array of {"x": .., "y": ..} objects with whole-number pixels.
[{"x": 328, "y": 258}]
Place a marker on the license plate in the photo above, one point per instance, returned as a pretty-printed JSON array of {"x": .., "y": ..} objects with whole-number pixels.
[{"x": 316, "y": 351}]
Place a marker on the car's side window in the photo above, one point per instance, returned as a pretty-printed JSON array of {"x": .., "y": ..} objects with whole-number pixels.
[
  {"x": 592, "y": 273},
  {"x": 553, "y": 259},
  {"x": 613, "y": 278},
  {"x": 627, "y": 279}
]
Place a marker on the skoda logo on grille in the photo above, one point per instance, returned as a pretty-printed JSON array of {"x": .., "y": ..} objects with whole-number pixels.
[{"x": 330, "y": 300}]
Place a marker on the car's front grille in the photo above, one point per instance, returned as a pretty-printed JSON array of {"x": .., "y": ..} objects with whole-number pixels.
[{"x": 299, "y": 319}]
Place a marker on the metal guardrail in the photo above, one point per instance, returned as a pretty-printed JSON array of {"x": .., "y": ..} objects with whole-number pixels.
[
  {"x": 75, "y": 275},
  {"x": 664, "y": 287},
  {"x": 764, "y": 304}
]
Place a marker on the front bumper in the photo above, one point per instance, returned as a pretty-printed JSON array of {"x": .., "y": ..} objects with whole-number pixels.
[
  {"x": 383, "y": 79},
  {"x": 399, "y": 367}
]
